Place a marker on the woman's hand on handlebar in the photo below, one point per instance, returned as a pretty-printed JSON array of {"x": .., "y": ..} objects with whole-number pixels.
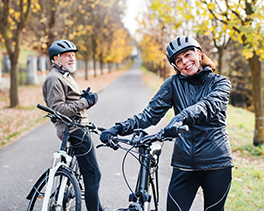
[
  {"x": 110, "y": 141},
  {"x": 113, "y": 131},
  {"x": 174, "y": 130}
]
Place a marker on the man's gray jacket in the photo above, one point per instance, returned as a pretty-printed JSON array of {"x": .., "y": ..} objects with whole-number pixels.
[{"x": 61, "y": 93}]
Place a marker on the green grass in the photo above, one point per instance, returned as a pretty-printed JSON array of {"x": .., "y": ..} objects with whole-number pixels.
[{"x": 247, "y": 189}]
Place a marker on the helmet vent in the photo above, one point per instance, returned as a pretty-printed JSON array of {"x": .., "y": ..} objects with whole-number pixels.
[
  {"x": 178, "y": 41},
  {"x": 60, "y": 45},
  {"x": 67, "y": 44},
  {"x": 186, "y": 39},
  {"x": 172, "y": 47}
]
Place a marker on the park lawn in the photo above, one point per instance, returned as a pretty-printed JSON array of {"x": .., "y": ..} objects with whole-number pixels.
[{"x": 247, "y": 189}]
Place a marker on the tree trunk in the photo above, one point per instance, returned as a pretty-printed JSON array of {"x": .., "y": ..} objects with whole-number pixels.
[
  {"x": 86, "y": 69},
  {"x": 94, "y": 66},
  {"x": 255, "y": 67},
  {"x": 102, "y": 67},
  {"x": 220, "y": 60},
  {"x": 109, "y": 64},
  {"x": 13, "y": 84}
]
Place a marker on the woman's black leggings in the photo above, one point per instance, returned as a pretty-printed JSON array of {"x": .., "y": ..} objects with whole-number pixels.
[{"x": 184, "y": 186}]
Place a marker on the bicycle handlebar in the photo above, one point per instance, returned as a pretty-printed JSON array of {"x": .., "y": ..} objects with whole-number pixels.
[
  {"x": 141, "y": 139},
  {"x": 44, "y": 108},
  {"x": 56, "y": 116}
]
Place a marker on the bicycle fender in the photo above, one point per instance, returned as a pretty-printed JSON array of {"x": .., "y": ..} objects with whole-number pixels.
[{"x": 29, "y": 196}]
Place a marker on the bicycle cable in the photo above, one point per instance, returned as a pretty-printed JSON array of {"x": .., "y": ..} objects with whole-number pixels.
[{"x": 128, "y": 151}]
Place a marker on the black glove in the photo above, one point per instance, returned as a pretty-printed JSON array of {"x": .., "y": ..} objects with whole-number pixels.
[
  {"x": 85, "y": 93},
  {"x": 91, "y": 97},
  {"x": 171, "y": 130},
  {"x": 113, "y": 131}
]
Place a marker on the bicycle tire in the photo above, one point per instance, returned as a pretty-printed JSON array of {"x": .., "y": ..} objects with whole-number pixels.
[{"x": 72, "y": 194}]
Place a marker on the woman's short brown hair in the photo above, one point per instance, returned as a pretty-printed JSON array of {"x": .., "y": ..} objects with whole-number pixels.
[{"x": 206, "y": 61}]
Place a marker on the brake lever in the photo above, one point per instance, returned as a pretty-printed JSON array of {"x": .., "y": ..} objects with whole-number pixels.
[
  {"x": 52, "y": 117},
  {"x": 110, "y": 144},
  {"x": 100, "y": 145}
]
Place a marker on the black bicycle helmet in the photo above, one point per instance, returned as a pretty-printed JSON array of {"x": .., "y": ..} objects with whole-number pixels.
[
  {"x": 178, "y": 45},
  {"x": 61, "y": 46}
]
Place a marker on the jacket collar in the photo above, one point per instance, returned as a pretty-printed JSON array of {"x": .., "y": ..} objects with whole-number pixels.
[
  {"x": 61, "y": 70},
  {"x": 199, "y": 77}
]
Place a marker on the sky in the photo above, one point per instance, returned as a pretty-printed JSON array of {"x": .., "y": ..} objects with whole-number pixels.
[{"x": 133, "y": 8}]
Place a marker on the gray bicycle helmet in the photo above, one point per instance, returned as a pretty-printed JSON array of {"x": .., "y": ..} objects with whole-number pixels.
[
  {"x": 178, "y": 45},
  {"x": 61, "y": 46}
]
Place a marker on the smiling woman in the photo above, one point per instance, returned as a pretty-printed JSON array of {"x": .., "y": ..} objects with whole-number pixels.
[
  {"x": 185, "y": 55},
  {"x": 199, "y": 99}
]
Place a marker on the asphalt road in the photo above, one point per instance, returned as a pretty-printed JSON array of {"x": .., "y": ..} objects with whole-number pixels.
[{"x": 22, "y": 162}]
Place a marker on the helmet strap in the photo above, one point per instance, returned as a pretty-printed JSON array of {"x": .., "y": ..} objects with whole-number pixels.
[
  {"x": 59, "y": 60},
  {"x": 174, "y": 65},
  {"x": 53, "y": 61},
  {"x": 199, "y": 67}
]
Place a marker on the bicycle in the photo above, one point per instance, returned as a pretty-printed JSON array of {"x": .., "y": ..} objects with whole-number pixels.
[
  {"x": 148, "y": 157},
  {"x": 60, "y": 187}
]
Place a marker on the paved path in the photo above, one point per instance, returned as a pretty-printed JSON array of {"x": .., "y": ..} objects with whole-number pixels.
[{"x": 22, "y": 162}]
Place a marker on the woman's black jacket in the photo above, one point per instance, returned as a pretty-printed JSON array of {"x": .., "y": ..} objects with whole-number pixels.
[{"x": 203, "y": 98}]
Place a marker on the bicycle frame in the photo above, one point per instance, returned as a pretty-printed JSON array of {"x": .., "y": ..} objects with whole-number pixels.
[
  {"x": 148, "y": 173},
  {"x": 149, "y": 161},
  {"x": 62, "y": 160},
  {"x": 59, "y": 155}
]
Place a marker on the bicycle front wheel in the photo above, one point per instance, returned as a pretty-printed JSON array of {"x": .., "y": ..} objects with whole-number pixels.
[{"x": 71, "y": 198}]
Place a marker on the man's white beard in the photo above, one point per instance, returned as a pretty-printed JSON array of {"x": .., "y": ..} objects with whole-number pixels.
[{"x": 71, "y": 68}]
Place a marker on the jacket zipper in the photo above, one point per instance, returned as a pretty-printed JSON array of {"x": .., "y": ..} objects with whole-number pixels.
[{"x": 193, "y": 150}]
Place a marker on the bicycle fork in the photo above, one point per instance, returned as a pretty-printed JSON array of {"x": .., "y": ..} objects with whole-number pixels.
[
  {"x": 143, "y": 180},
  {"x": 148, "y": 160},
  {"x": 55, "y": 166}
]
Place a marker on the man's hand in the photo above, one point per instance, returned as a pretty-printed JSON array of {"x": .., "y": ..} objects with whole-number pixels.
[
  {"x": 91, "y": 97},
  {"x": 85, "y": 93}
]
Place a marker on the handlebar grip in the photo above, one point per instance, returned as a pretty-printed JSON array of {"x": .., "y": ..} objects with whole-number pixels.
[
  {"x": 101, "y": 128},
  {"x": 44, "y": 108},
  {"x": 183, "y": 128}
]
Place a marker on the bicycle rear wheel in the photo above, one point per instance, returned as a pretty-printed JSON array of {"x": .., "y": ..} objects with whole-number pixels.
[{"x": 72, "y": 195}]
